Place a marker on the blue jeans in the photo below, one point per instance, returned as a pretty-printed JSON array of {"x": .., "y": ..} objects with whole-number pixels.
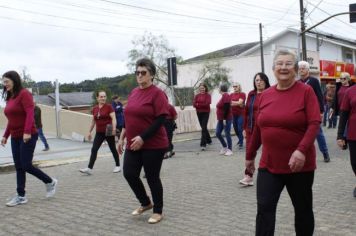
[
  {"x": 320, "y": 138},
  {"x": 237, "y": 122},
  {"x": 23, "y": 155},
  {"x": 42, "y": 137},
  {"x": 227, "y": 129}
]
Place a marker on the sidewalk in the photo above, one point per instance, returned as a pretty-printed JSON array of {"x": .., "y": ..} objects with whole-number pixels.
[{"x": 65, "y": 151}]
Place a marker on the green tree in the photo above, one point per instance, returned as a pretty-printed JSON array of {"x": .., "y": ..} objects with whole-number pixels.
[{"x": 212, "y": 72}]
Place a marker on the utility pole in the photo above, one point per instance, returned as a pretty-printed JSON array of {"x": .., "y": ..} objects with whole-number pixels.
[
  {"x": 302, "y": 30},
  {"x": 261, "y": 46}
]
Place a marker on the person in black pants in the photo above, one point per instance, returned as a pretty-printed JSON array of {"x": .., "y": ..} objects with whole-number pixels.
[
  {"x": 347, "y": 126},
  {"x": 170, "y": 125},
  {"x": 146, "y": 139},
  {"x": 105, "y": 122},
  {"x": 202, "y": 104}
]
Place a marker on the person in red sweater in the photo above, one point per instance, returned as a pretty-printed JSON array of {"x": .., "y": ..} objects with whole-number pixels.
[
  {"x": 348, "y": 116},
  {"x": 238, "y": 109},
  {"x": 170, "y": 125},
  {"x": 224, "y": 117},
  {"x": 105, "y": 121},
  {"x": 260, "y": 83},
  {"x": 202, "y": 103},
  {"x": 19, "y": 112},
  {"x": 287, "y": 123},
  {"x": 146, "y": 139}
]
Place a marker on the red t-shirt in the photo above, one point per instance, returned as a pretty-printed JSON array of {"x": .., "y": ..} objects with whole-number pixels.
[
  {"x": 349, "y": 104},
  {"x": 237, "y": 110},
  {"x": 340, "y": 94},
  {"x": 143, "y": 107},
  {"x": 202, "y": 102},
  {"x": 287, "y": 120},
  {"x": 172, "y": 113},
  {"x": 19, "y": 112},
  {"x": 102, "y": 117},
  {"x": 225, "y": 98}
]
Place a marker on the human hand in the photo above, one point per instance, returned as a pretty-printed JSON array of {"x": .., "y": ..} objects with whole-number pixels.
[
  {"x": 341, "y": 143},
  {"x": 296, "y": 161},
  {"x": 250, "y": 166},
  {"x": 120, "y": 146},
  {"x": 244, "y": 134},
  {"x": 3, "y": 141},
  {"x": 137, "y": 143},
  {"x": 26, "y": 137},
  {"x": 89, "y": 136}
]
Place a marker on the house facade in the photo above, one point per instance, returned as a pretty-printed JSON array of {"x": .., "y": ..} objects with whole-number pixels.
[{"x": 244, "y": 60}]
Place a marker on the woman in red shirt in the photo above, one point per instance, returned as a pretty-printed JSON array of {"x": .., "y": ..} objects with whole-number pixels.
[
  {"x": 19, "y": 112},
  {"x": 201, "y": 103},
  {"x": 105, "y": 121},
  {"x": 287, "y": 122},
  {"x": 238, "y": 109},
  {"x": 146, "y": 139},
  {"x": 260, "y": 83},
  {"x": 348, "y": 116},
  {"x": 224, "y": 117}
]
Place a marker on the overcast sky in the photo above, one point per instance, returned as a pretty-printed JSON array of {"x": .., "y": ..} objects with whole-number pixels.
[{"x": 75, "y": 40}]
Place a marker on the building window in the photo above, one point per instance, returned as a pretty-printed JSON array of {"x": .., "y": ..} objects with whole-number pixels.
[{"x": 347, "y": 55}]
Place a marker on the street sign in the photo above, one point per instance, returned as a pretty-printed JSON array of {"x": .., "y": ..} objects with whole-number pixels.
[{"x": 352, "y": 8}]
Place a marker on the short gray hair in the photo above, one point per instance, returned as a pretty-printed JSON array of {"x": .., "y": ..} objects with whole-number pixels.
[
  {"x": 304, "y": 64},
  {"x": 285, "y": 52}
]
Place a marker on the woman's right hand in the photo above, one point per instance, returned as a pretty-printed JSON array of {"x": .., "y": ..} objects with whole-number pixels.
[
  {"x": 341, "y": 143},
  {"x": 120, "y": 146},
  {"x": 3, "y": 141},
  {"x": 244, "y": 134},
  {"x": 89, "y": 136}
]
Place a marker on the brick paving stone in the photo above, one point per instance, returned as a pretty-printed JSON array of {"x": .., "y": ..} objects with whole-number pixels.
[{"x": 202, "y": 196}]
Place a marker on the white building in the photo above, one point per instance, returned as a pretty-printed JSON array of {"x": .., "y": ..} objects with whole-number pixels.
[{"x": 244, "y": 60}]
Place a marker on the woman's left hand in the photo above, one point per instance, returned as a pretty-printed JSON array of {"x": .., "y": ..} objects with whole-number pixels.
[
  {"x": 296, "y": 161},
  {"x": 137, "y": 143},
  {"x": 26, "y": 137}
]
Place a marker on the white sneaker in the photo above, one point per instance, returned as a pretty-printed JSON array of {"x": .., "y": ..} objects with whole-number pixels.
[
  {"x": 17, "y": 200},
  {"x": 228, "y": 152},
  {"x": 86, "y": 171},
  {"x": 223, "y": 151},
  {"x": 117, "y": 169},
  {"x": 51, "y": 188},
  {"x": 247, "y": 181}
]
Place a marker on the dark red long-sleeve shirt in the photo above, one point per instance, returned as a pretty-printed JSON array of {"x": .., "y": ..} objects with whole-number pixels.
[
  {"x": 19, "y": 112},
  {"x": 202, "y": 102},
  {"x": 287, "y": 120}
]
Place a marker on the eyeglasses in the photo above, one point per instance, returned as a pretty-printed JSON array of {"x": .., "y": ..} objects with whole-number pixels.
[
  {"x": 142, "y": 72},
  {"x": 288, "y": 64},
  {"x": 342, "y": 78}
]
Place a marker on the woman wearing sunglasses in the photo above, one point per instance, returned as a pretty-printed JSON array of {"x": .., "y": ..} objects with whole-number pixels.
[{"x": 146, "y": 139}]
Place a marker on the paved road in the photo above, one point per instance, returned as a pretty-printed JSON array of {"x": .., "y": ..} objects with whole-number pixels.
[{"x": 201, "y": 197}]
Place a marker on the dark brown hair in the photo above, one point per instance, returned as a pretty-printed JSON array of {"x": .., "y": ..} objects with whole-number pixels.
[{"x": 16, "y": 79}]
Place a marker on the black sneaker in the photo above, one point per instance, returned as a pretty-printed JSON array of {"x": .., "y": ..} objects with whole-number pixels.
[
  {"x": 355, "y": 192},
  {"x": 45, "y": 149},
  {"x": 326, "y": 157}
]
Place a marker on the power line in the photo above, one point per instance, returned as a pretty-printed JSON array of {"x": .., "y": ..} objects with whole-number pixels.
[
  {"x": 317, "y": 5},
  {"x": 284, "y": 15}
]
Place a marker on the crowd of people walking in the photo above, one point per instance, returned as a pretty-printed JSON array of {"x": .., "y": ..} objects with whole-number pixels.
[{"x": 285, "y": 119}]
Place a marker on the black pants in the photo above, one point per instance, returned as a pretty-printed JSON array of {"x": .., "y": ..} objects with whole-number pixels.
[
  {"x": 352, "y": 147},
  {"x": 170, "y": 126},
  {"x": 203, "y": 118},
  {"x": 269, "y": 188},
  {"x": 98, "y": 140},
  {"x": 151, "y": 160}
]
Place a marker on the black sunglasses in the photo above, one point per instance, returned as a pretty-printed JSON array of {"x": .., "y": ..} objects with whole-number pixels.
[{"x": 142, "y": 72}]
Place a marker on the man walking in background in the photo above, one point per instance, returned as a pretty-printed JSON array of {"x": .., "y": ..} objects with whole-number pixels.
[
  {"x": 303, "y": 69},
  {"x": 38, "y": 123}
]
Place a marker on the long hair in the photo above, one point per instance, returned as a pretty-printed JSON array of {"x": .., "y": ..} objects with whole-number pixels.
[
  {"x": 16, "y": 79},
  {"x": 263, "y": 77}
]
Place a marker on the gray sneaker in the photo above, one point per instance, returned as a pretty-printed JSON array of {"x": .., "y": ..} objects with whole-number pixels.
[
  {"x": 51, "y": 188},
  {"x": 17, "y": 200}
]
